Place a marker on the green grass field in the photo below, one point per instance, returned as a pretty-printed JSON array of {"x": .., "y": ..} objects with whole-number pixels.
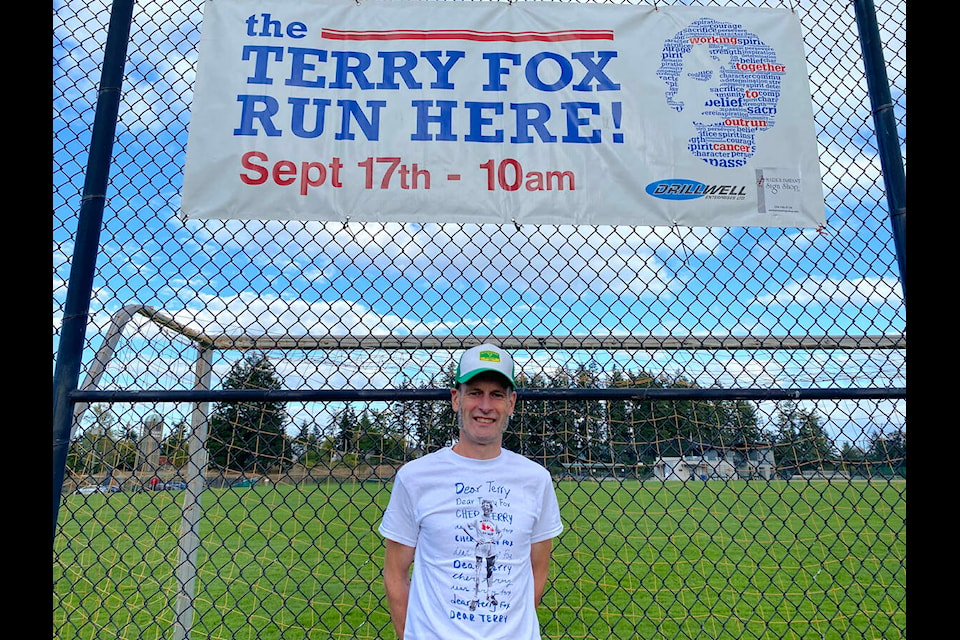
[{"x": 726, "y": 560}]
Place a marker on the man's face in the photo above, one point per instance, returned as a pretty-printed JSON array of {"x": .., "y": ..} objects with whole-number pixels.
[
  {"x": 698, "y": 83},
  {"x": 484, "y": 404}
]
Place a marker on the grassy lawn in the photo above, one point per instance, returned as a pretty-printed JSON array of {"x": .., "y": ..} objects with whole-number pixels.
[{"x": 636, "y": 560}]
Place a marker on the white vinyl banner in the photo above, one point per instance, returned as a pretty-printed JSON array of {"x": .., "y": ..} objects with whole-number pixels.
[{"x": 496, "y": 112}]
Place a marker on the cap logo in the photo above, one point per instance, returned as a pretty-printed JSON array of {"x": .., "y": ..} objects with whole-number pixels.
[{"x": 489, "y": 356}]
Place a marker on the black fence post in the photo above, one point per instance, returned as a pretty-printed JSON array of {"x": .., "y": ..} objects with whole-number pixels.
[
  {"x": 888, "y": 142},
  {"x": 77, "y": 305}
]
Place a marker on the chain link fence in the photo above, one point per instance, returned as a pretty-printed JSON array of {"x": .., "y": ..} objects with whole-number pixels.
[{"x": 722, "y": 409}]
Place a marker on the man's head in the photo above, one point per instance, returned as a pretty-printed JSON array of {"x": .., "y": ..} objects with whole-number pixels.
[{"x": 483, "y": 399}]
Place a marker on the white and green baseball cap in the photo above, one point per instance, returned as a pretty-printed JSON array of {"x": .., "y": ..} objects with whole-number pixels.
[{"x": 485, "y": 357}]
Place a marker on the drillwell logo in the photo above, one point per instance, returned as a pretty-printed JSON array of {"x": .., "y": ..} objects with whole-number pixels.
[
  {"x": 489, "y": 356},
  {"x": 681, "y": 189},
  {"x": 676, "y": 189}
]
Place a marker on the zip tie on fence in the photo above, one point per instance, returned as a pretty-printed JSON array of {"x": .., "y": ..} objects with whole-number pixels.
[{"x": 676, "y": 227}]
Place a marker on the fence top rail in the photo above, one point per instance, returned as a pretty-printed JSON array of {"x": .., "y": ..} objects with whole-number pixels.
[
  {"x": 634, "y": 342},
  {"x": 531, "y": 394},
  {"x": 563, "y": 343}
]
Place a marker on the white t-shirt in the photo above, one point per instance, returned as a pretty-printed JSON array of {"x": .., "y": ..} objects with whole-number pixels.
[{"x": 455, "y": 511}]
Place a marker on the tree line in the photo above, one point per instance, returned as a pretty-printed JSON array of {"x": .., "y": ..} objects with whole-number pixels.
[{"x": 260, "y": 437}]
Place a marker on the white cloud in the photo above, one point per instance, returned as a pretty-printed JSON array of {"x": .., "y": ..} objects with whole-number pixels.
[{"x": 858, "y": 291}]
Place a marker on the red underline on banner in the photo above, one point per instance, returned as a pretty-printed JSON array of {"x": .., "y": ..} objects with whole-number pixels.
[{"x": 477, "y": 36}]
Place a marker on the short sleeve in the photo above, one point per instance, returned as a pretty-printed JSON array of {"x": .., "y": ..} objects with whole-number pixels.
[
  {"x": 548, "y": 525},
  {"x": 399, "y": 520}
]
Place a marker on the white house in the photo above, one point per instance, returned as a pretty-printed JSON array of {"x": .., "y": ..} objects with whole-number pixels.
[{"x": 753, "y": 461}]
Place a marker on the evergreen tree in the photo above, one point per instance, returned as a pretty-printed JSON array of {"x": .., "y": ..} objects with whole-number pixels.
[
  {"x": 175, "y": 446},
  {"x": 379, "y": 440},
  {"x": 527, "y": 433},
  {"x": 560, "y": 421},
  {"x": 307, "y": 448},
  {"x": 591, "y": 416},
  {"x": 801, "y": 441},
  {"x": 346, "y": 429},
  {"x": 887, "y": 452},
  {"x": 620, "y": 424},
  {"x": 249, "y": 436},
  {"x": 434, "y": 423}
]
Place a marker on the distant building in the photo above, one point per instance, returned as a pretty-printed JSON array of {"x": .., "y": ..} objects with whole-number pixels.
[{"x": 707, "y": 462}]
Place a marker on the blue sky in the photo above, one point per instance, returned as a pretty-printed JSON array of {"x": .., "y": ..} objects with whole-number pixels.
[{"x": 275, "y": 277}]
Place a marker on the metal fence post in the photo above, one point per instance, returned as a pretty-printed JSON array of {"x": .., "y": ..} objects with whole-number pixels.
[
  {"x": 888, "y": 143},
  {"x": 77, "y": 304}
]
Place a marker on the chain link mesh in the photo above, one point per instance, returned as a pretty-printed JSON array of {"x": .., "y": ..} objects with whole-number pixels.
[{"x": 688, "y": 513}]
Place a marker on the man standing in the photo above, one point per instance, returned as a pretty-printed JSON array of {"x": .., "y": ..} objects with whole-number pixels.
[{"x": 435, "y": 500}]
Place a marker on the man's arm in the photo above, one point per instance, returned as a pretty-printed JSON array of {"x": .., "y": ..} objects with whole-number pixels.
[
  {"x": 397, "y": 560},
  {"x": 540, "y": 561}
]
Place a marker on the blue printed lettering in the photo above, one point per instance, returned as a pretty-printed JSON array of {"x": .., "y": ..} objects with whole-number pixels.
[
  {"x": 444, "y": 119},
  {"x": 478, "y": 121},
  {"x": 532, "y": 71},
  {"x": 353, "y": 112},
  {"x": 250, "y": 112},
  {"x": 531, "y": 115},
  {"x": 261, "y": 59},
  {"x": 574, "y": 122},
  {"x": 349, "y": 63}
]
